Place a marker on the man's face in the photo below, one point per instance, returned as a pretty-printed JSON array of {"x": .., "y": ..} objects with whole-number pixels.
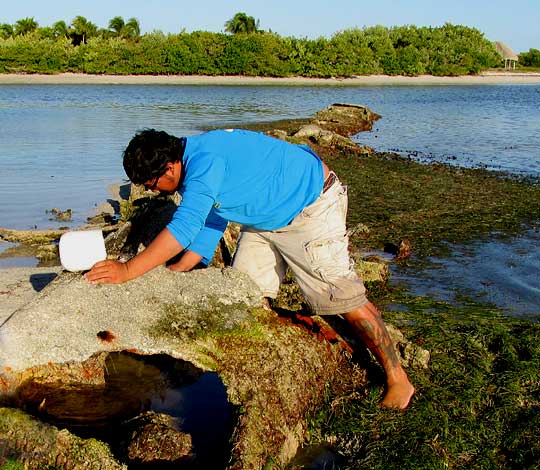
[{"x": 168, "y": 182}]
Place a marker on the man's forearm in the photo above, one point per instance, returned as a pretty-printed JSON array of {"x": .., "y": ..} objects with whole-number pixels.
[
  {"x": 162, "y": 249},
  {"x": 187, "y": 262}
]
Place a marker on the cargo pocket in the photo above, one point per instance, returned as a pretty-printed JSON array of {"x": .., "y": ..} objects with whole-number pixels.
[
  {"x": 329, "y": 258},
  {"x": 319, "y": 208}
]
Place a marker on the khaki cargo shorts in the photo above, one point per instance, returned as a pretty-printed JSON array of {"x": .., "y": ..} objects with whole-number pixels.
[{"x": 315, "y": 246}]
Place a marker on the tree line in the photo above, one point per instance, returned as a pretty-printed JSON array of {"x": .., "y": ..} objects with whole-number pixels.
[
  {"x": 78, "y": 31},
  {"x": 530, "y": 58},
  {"x": 242, "y": 50}
]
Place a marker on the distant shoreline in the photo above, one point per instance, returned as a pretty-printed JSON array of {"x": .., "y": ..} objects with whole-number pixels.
[{"x": 486, "y": 78}]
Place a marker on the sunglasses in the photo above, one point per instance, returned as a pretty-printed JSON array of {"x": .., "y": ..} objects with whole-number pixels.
[{"x": 152, "y": 186}]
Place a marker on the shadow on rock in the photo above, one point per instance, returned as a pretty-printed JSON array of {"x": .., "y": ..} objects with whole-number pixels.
[{"x": 41, "y": 280}]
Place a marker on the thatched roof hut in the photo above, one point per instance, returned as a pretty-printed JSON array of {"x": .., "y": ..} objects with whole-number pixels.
[{"x": 509, "y": 56}]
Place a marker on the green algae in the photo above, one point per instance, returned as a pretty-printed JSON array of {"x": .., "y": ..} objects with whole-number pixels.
[
  {"x": 12, "y": 465},
  {"x": 24, "y": 439},
  {"x": 431, "y": 205},
  {"x": 211, "y": 317},
  {"x": 477, "y": 404},
  {"x": 475, "y": 407}
]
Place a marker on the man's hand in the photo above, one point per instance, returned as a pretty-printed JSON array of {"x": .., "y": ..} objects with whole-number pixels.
[
  {"x": 108, "y": 272},
  {"x": 162, "y": 248}
]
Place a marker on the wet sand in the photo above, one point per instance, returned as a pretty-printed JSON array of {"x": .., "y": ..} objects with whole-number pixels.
[{"x": 487, "y": 78}]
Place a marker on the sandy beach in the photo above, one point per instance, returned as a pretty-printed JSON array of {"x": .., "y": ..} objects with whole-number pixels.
[{"x": 486, "y": 78}]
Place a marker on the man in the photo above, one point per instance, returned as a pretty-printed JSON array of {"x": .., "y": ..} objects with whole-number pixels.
[{"x": 292, "y": 209}]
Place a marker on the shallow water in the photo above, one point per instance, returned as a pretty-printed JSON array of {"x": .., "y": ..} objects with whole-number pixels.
[
  {"x": 62, "y": 144},
  {"x": 503, "y": 272},
  {"x": 195, "y": 400},
  {"x": 497, "y": 127},
  {"x": 21, "y": 259}
]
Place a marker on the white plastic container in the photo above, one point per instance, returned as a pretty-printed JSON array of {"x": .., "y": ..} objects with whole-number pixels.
[{"x": 80, "y": 250}]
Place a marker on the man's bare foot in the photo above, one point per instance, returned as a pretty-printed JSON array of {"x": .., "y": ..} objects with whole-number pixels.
[{"x": 398, "y": 395}]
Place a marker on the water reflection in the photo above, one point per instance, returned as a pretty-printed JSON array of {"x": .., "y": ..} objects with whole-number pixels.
[{"x": 13, "y": 255}]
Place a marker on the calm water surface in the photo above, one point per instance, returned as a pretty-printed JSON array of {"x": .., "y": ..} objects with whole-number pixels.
[{"x": 61, "y": 145}]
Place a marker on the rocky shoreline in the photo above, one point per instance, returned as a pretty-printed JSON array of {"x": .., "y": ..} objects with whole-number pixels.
[
  {"x": 275, "y": 368},
  {"x": 393, "y": 200}
]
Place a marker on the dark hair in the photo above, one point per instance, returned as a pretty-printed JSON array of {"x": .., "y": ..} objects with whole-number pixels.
[{"x": 148, "y": 153}]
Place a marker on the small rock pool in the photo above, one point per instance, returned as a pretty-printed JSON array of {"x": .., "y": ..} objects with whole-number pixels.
[{"x": 144, "y": 399}]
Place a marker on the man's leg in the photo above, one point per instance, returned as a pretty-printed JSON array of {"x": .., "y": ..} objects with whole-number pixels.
[
  {"x": 368, "y": 324},
  {"x": 315, "y": 246},
  {"x": 256, "y": 257}
]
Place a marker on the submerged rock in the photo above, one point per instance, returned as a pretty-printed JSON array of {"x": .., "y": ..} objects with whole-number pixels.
[
  {"x": 402, "y": 250},
  {"x": 155, "y": 440},
  {"x": 373, "y": 270},
  {"x": 30, "y": 237},
  {"x": 411, "y": 355},
  {"x": 329, "y": 131},
  {"x": 346, "y": 119},
  {"x": 60, "y": 215},
  {"x": 45, "y": 252},
  {"x": 325, "y": 138},
  {"x": 340, "y": 118}
]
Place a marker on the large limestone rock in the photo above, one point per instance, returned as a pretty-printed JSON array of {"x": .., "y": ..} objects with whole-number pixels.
[
  {"x": 274, "y": 372},
  {"x": 18, "y": 286},
  {"x": 62, "y": 324}
]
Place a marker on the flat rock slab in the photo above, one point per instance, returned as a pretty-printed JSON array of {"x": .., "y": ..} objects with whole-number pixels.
[
  {"x": 18, "y": 286},
  {"x": 71, "y": 319}
]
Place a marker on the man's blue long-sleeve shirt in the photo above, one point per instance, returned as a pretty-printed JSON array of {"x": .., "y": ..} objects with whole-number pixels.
[{"x": 244, "y": 177}]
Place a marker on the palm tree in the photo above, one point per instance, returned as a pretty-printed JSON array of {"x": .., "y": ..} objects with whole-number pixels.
[
  {"x": 60, "y": 29},
  {"x": 25, "y": 26},
  {"x": 117, "y": 25},
  {"x": 6, "y": 30},
  {"x": 242, "y": 23},
  {"x": 132, "y": 28},
  {"x": 81, "y": 30}
]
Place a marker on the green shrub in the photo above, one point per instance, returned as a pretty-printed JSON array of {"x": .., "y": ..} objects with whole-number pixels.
[
  {"x": 404, "y": 50},
  {"x": 530, "y": 59}
]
